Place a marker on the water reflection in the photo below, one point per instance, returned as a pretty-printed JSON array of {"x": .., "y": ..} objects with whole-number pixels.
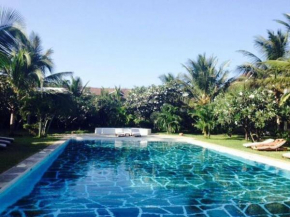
[{"x": 128, "y": 178}]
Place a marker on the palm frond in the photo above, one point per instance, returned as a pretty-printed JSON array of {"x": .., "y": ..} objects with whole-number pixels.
[
  {"x": 251, "y": 56},
  {"x": 286, "y": 24},
  {"x": 56, "y": 77}
]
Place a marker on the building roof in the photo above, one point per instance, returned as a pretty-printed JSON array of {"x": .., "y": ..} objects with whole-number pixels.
[
  {"x": 52, "y": 90},
  {"x": 97, "y": 90}
]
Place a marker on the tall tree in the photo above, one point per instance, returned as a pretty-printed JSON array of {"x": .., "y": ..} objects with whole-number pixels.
[
  {"x": 75, "y": 86},
  {"x": 204, "y": 79},
  {"x": 26, "y": 69},
  {"x": 168, "y": 118},
  {"x": 167, "y": 78},
  {"x": 287, "y": 23},
  {"x": 272, "y": 48},
  {"x": 11, "y": 25}
]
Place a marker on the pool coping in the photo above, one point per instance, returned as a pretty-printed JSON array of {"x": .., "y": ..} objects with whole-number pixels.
[{"x": 12, "y": 175}]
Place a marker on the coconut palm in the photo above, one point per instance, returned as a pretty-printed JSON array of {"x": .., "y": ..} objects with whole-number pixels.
[
  {"x": 168, "y": 118},
  {"x": 287, "y": 23},
  {"x": 26, "y": 69},
  {"x": 11, "y": 25},
  {"x": 75, "y": 86},
  {"x": 269, "y": 72},
  {"x": 204, "y": 79},
  {"x": 205, "y": 119},
  {"x": 272, "y": 48},
  {"x": 168, "y": 78}
]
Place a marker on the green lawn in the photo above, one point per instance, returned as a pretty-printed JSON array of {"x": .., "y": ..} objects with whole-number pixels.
[
  {"x": 22, "y": 148},
  {"x": 235, "y": 142}
]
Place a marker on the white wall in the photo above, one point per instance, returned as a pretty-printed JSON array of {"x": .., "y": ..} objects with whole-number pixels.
[{"x": 112, "y": 131}]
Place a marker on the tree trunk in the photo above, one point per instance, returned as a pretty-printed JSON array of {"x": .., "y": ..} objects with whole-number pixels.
[
  {"x": 285, "y": 126},
  {"x": 48, "y": 127},
  {"x": 252, "y": 137},
  {"x": 16, "y": 127},
  {"x": 39, "y": 127},
  {"x": 278, "y": 120},
  {"x": 28, "y": 119},
  {"x": 12, "y": 122},
  {"x": 44, "y": 127},
  {"x": 246, "y": 134}
]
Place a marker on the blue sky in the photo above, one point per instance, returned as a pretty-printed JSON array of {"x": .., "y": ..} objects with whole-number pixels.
[{"x": 130, "y": 43}]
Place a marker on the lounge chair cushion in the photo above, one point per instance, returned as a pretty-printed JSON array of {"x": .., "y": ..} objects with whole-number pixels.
[
  {"x": 5, "y": 142},
  {"x": 3, "y": 145},
  {"x": 278, "y": 143},
  {"x": 248, "y": 145}
]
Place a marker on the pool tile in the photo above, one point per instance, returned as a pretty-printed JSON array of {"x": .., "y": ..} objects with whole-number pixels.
[
  {"x": 192, "y": 210},
  {"x": 255, "y": 209},
  {"x": 175, "y": 209},
  {"x": 277, "y": 208},
  {"x": 234, "y": 211},
  {"x": 164, "y": 179},
  {"x": 132, "y": 212},
  {"x": 217, "y": 213}
]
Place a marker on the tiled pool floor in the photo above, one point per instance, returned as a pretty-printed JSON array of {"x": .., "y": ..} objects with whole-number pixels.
[{"x": 103, "y": 178}]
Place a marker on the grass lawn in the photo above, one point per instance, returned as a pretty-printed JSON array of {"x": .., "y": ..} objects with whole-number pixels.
[
  {"x": 235, "y": 142},
  {"x": 22, "y": 148}
]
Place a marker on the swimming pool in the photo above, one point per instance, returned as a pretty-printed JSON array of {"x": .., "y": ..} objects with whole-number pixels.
[{"x": 122, "y": 178}]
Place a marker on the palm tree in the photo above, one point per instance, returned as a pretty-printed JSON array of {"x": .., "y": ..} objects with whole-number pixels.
[
  {"x": 205, "y": 121},
  {"x": 272, "y": 48},
  {"x": 287, "y": 23},
  {"x": 168, "y": 78},
  {"x": 204, "y": 79},
  {"x": 269, "y": 73},
  {"x": 11, "y": 24},
  {"x": 26, "y": 69},
  {"x": 118, "y": 94},
  {"x": 18, "y": 78},
  {"x": 75, "y": 86},
  {"x": 278, "y": 78},
  {"x": 168, "y": 118}
]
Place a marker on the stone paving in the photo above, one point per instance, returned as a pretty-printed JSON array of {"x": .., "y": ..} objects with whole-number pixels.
[
  {"x": 10, "y": 176},
  {"x": 147, "y": 179}
]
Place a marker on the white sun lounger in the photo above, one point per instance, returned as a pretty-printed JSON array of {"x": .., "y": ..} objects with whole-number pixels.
[
  {"x": 127, "y": 132},
  {"x": 2, "y": 141},
  {"x": 3, "y": 145},
  {"x": 135, "y": 132},
  {"x": 249, "y": 145},
  {"x": 7, "y": 139},
  {"x": 119, "y": 133}
]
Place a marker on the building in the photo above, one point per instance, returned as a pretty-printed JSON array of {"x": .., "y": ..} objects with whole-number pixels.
[{"x": 97, "y": 91}]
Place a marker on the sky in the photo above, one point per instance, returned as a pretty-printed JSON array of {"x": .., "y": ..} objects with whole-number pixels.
[{"x": 131, "y": 43}]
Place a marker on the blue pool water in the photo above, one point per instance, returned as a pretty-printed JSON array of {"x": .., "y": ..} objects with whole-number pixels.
[{"x": 150, "y": 179}]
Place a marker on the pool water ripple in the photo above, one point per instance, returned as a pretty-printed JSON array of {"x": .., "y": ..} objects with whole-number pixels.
[{"x": 106, "y": 178}]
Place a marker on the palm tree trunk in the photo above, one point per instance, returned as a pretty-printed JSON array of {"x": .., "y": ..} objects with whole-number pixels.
[
  {"x": 246, "y": 133},
  {"x": 43, "y": 132},
  {"x": 278, "y": 121},
  {"x": 48, "y": 127},
  {"x": 39, "y": 127},
  {"x": 285, "y": 127},
  {"x": 204, "y": 133},
  {"x": 12, "y": 121}
]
